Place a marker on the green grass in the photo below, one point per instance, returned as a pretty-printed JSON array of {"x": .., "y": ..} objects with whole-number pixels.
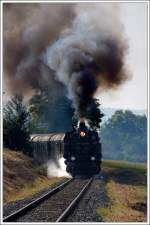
[{"x": 141, "y": 167}]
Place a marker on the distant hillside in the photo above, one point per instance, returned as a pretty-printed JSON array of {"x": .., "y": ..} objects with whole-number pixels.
[{"x": 110, "y": 111}]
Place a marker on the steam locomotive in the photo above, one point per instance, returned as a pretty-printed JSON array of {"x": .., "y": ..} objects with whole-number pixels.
[
  {"x": 82, "y": 152},
  {"x": 81, "y": 149}
]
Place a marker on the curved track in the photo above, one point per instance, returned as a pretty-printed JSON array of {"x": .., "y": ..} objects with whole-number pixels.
[
  {"x": 21, "y": 212},
  {"x": 55, "y": 206}
]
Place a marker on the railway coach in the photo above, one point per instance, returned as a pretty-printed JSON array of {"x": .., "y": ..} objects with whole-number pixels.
[{"x": 81, "y": 149}]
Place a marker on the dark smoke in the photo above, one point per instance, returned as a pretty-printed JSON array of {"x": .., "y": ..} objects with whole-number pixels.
[
  {"x": 89, "y": 57},
  {"x": 81, "y": 46},
  {"x": 28, "y": 30}
]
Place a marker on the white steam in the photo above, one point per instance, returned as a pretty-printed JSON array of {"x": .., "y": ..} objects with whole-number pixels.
[{"x": 57, "y": 169}]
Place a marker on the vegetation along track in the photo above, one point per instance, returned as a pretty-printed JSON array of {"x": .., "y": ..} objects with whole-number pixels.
[{"x": 55, "y": 206}]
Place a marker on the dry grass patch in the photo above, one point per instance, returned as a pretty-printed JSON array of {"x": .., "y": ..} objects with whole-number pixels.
[
  {"x": 127, "y": 190},
  {"x": 22, "y": 177},
  {"x": 32, "y": 188}
]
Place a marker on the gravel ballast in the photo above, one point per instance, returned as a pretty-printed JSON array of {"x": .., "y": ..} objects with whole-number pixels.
[
  {"x": 94, "y": 198},
  {"x": 11, "y": 207}
]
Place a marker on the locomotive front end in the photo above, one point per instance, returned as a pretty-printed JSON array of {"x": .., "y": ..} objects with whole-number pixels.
[{"x": 82, "y": 152}]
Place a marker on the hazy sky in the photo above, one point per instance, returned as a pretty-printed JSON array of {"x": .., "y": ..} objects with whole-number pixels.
[{"x": 133, "y": 94}]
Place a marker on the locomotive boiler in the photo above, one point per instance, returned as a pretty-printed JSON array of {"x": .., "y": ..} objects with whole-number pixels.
[{"x": 81, "y": 149}]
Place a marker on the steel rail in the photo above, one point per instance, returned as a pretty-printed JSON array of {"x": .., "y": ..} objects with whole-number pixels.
[
  {"x": 12, "y": 217},
  {"x": 73, "y": 204}
]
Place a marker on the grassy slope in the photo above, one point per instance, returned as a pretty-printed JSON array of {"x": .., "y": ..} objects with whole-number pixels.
[
  {"x": 141, "y": 167},
  {"x": 126, "y": 188},
  {"x": 22, "y": 178}
]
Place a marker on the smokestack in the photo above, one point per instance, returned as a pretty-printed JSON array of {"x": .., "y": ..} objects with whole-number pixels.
[
  {"x": 81, "y": 123},
  {"x": 82, "y": 120}
]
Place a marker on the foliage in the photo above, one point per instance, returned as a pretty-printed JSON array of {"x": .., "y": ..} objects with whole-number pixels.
[
  {"x": 50, "y": 113},
  {"x": 124, "y": 137},
  {"x": 94, "y": 114},
  {"x": 38, "y": 105},
  {"x": 53, "y": 112},
  {"x": 16, "y": 124}
]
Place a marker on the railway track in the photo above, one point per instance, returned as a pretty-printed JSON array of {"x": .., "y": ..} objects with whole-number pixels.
[{"x": 55, "y": 206}]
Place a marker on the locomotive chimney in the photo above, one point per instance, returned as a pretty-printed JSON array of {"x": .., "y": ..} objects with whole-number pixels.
[
  {"x": 82, "y": 120},
  {"x": 82, "y": 127},
  {"x": 81, "y": 124}
]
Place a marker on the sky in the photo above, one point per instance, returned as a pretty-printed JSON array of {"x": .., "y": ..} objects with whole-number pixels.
[{"x": 132, "y": 94}]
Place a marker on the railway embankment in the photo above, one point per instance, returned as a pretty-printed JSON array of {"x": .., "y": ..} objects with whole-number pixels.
[{"x": 23, "y": 180}]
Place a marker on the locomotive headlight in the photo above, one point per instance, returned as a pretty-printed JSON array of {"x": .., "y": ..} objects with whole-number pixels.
[
  {"x": 82, "y": 134},
  {"x": 92, "y": 158},
  {"x": 73, "y": 158}
]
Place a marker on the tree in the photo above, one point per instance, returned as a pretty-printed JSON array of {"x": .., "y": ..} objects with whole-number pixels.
[
  {"x": 94, "y": 115},
  {"x": 124, "y": 137},
  {"x": 16, "y": 124},
  {"x": 51, "y": 111}
]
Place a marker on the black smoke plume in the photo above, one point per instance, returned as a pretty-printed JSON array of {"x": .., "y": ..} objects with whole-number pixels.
[
  {"x": 89, "y": 56},
  {"x": 28, "y": 30},
  {"x": 81, "y": 46}
]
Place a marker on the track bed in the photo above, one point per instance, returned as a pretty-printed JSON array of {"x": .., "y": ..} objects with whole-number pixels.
[{"x": 53, "y": 208}]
